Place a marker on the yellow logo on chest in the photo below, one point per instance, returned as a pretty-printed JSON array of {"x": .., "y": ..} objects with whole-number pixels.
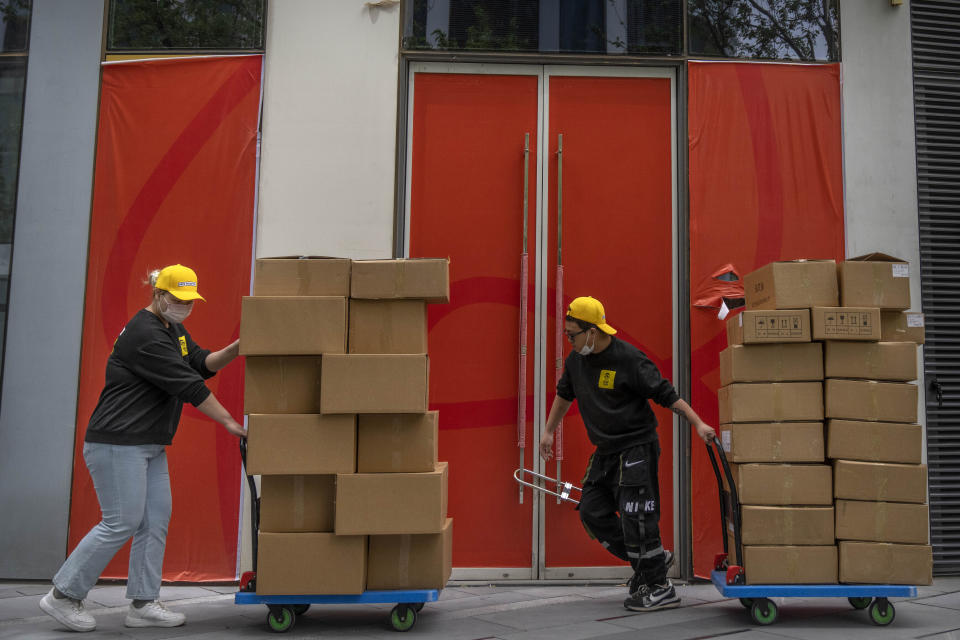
[
  {"x": 606, "y": 379},
  {"x": 183, "y": 345}
]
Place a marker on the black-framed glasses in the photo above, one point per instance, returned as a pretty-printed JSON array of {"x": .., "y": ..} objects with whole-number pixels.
[{"x": 573, "y": 336}]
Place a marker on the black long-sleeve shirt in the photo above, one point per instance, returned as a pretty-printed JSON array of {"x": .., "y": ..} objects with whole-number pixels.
[
  {"x": 151, "y": 372},
  {"x": 612, "y": 389}
]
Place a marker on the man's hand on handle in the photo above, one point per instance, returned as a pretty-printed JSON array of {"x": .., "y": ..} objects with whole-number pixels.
[{"x": 546, "y": 446}]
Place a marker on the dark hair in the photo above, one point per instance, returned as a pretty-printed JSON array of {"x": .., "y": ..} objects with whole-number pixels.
[{"x": 583, "y": 324}]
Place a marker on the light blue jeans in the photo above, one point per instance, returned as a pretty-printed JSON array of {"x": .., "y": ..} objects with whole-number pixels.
[{"x": 133, "y": 487}]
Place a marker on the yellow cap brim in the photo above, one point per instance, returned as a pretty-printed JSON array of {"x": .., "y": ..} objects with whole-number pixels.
[
  {"x": 186, "y": 295},
  {"x": 607, "y": 329}
]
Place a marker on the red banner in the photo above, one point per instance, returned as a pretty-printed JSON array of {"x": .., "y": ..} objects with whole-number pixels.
[
  {"x": 766, "y": 183},
  {"x": 175, "y": 181}
]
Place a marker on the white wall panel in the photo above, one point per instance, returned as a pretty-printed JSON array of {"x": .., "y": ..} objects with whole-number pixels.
[{"x": 328, "y": 152}]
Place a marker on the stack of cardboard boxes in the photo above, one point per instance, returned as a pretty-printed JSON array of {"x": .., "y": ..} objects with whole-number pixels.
[
  {"x": 352, "y": 495},
  {"x": 807, "y": 348}
]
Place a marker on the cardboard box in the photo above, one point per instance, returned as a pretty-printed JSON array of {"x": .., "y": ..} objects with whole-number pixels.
[
  {"x": 297, "y": 504},
  {"x": 790, "y": 564},
  {"x": 786, "y": 525},
  {"x": 875, "y": 280},
  {"x": 874, "y": 441},
  {"x": 771, "y": 402},
  {"x": 798, "y": 284},
  {"x": 883, "y": 563},
  {"x": 292, "y": 325},
  {"x": 771, "y": 363},
  {"x": 388, "y": 326},
  {"x": 883, "y": 522},
  {"x": 368, "y": 383},
  {"x": 846, "y": 323},
  {"x": 301, "y": 276},
  {"x": 418, "y": 278},
  {"x": 894, "y": 361},
  {"x": 423, "y": 561},
  {"x": 880, "y": 481},
  {"x": 311, "y": 563},
  {"x": 301, "y": 444},
  {"x": 902, "y": 326},
  {"x": 870, "y": 401},
  {"x": 783, "y": 484},
  {"x": 759, "y": 327},
  {"x": 392, "y": 503},
  {"x": 397, "y": 442},
  {"x": 773, "y": 442},
  {"x": 281, "y": 384}
]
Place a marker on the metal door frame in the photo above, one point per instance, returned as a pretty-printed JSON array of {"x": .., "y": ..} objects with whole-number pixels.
[{"x": 538, "y": 569}]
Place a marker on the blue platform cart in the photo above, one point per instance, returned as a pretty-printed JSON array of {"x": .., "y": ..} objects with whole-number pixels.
[
  {"x": 282, "y": 610},
  {"x": 730, "y": 579}
]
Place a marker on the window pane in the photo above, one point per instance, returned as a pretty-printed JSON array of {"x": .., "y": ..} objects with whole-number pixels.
[
  {"x": 16, "y": 25},
  {"x": 771, "y": 29},
  {"x": 185, "y": 24},
  {"x": 12, "y": 75},
  {"x": 654, "y": 26}
]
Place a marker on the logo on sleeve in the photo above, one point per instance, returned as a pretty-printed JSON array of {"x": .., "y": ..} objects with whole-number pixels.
[
  {"x": 183, "y": 345},
  {"x": 606, "y": 379}
]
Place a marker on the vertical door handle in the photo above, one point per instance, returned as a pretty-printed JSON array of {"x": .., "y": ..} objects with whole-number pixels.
[
  {"x": 524, "y": 278},
  {"x": 560, "y": 311}
]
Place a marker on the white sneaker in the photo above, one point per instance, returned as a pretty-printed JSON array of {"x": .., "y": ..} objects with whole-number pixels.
[
  {"x": 153, "y": 614},
  {"x": 68, "y": 612}
]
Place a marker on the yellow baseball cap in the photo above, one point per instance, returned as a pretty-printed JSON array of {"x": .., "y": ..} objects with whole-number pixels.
[
  {"x": 590, "y": 310},
  {"x": 179, "y": 280}
]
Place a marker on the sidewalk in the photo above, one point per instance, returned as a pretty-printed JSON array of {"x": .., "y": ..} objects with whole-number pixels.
[{"x": 469, "y": 612}]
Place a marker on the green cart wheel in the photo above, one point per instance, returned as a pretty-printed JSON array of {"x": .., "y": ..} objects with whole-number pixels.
[
  {"x": 746, "y": 602},
  {"x": 301, "y": 609},
  {"x": 882, "y": 612},
  {"x": 763, "y": 611},
  {"x": 860, "y": 603},
  {"x": 418, "y": 606},
  {"x": 403, "y": 617},
  {"x": 280, "y": 619}
]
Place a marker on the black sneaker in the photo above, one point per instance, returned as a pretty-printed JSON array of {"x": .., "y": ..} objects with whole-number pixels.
[
  {"x": 661, "y": 596},
  {"x": 637, "y": 595},
  {"x": 635, "y": 582}
]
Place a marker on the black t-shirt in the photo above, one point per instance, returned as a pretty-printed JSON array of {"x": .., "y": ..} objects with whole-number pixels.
[
  {"x": 612, "y": 389},
  {"x": 151, "y": 372}
]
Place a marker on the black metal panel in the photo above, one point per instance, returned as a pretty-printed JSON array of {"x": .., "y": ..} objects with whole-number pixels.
[{"x": 935, "y": 26}]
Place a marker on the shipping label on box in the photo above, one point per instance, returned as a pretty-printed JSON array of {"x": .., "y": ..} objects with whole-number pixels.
[
  {"x": 282, "y": 384},
  {"x": 411, "y": 561},
  {"x": 368, "y": 383},
  {"x": 771, "y": 402},
  {"x": 771, "y": 363},
  {"x": 294, "y": 504},
  {"x": 783, "y": 484},
  {"x": 301, "y": 443},
  {"x": 772, "y": 326},
  {"x": 397, "y": 442},
  {"x": 293, "y": 325},
  {"x": 392, "y": 503},
  {"x": 301, "y": 276},
  {"x": 883, "y": 522},
  {"x": 786, "y": 525},
  {"x": 790, "y": 564},
  {"x": 311, "y": 563},
  {"x": 799, "y": 284},
  {"x": 902, "y": 326},
  {"x": 418, "y": 278},
  {"x": 878, "y": 481},
  {"x": 883, "y": 563},
  {"x": 875, "y": 280},
  {"x": 874, "y": 441},
  {"x": 870, "y": 401},
  {"x": 891, "y": 361},
  {"x": 845, "y": 323},
  {"x": 388, "y": 326},
  {"x": 773, "y": 442}
]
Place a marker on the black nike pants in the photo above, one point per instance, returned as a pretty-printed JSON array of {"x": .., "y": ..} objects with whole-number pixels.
[{"x": 620, "y": 508}]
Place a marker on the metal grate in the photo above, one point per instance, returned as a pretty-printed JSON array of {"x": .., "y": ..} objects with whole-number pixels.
[{"x": 935, "y": 26}]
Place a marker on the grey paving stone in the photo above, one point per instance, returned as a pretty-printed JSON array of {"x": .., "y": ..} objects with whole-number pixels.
[
  {"x": 579, "y": 631},
  {"x": 947, "y": 600},
  {"x": 20, "y": 607}
]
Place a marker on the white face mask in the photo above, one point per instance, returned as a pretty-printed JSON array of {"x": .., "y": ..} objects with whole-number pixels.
[
  {"x": 587, "y": 349},
  {"x": 175, "y": 313}
]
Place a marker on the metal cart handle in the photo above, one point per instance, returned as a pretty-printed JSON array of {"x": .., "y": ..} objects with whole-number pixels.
[
  {"x": 729, "y": 500},
  {"x": 563, "y": 488}
]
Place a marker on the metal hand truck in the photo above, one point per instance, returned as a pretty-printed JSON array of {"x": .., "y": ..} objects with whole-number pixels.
[
  {"x": 283, "y": 610},
  {"x": 730, "y": 579}
]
